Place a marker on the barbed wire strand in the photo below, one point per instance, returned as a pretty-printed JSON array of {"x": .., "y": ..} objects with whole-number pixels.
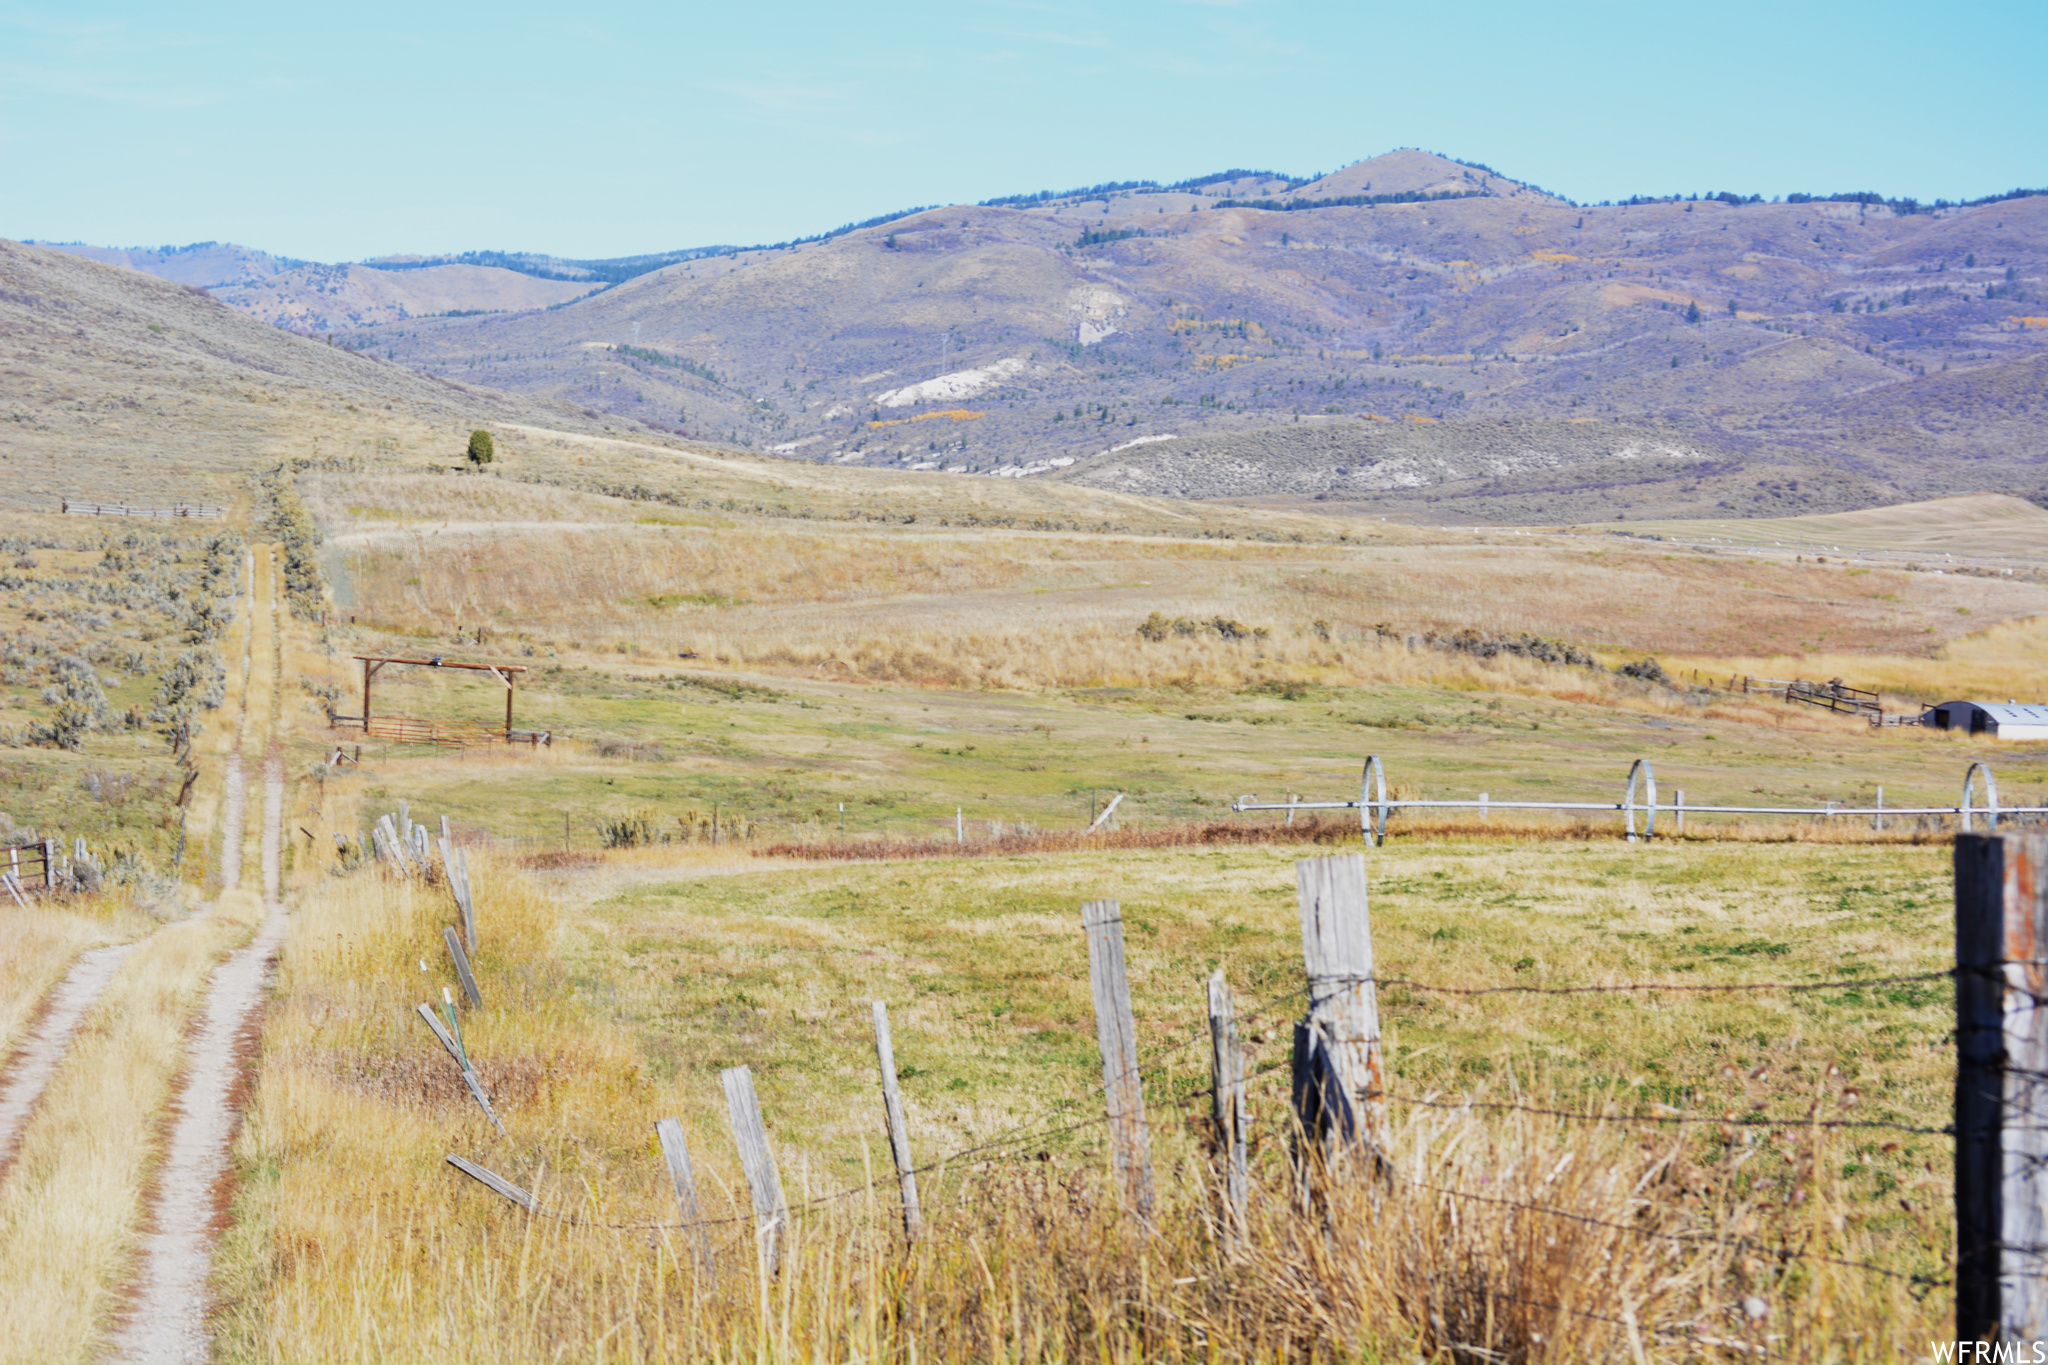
[
  {"x": 1164, "y": 1051},
  {"x": 1763, "y": 1121},
  {"x": 950, "y": 1159},
  {"x": 1689, "y": 987},
  {"x": 1736, "y": 1243}
]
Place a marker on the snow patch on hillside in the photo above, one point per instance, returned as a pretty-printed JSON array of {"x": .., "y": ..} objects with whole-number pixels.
[
  {"x": 951, "y": 388},
  {"x": 1140, "y": 441}
]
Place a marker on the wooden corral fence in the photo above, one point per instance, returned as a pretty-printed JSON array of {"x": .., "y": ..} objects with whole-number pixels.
[
  {"x": 30, "y": 868},
  {"x": 177, "y": 512},
  {"x": 1341, "y": 1090},
  {"x": 44, "y": 866},
  {"x": 1639, "y": 797},
  {"x": 411, "y": 730},
  {"x": 1832, "y": 695}
]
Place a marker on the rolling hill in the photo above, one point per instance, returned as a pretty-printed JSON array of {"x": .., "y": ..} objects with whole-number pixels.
[
  {"x": 1254, "y": 336},
  {"x": 120, "y": 387}
]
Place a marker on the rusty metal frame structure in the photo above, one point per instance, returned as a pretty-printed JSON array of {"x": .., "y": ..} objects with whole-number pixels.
[{"x": 507, "y": 674}]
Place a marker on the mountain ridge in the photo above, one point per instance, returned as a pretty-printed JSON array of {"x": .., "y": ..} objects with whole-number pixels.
[{"x": 1841, "y": 350}]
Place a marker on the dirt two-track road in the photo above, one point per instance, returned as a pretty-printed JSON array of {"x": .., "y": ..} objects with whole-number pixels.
[{"x": 145, "y": 1298}]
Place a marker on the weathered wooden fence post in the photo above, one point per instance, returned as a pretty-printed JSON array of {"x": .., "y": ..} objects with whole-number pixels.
[
  {"x": 899, "y": 1132},
  {"x": 2001, "y": 1119},
  {"x": 455, "y": 1050},
  {"x": 675, "y": 1150},
  {"x": 1117, "y": 1031},
  {"x": 495, "y": 1183},
  {"x": 1339, "y": 1075},
  {"x": 462, "y": 971},
  {"x": 763, "y": 1182},
  {"x": 1232, "y": 1121}
]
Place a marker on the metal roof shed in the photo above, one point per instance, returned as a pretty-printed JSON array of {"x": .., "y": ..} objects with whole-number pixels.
[{"x": 1999, "y": 720}]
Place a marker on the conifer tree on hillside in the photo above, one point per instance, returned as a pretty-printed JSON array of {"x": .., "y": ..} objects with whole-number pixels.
[{"x": 481, "y": 451}]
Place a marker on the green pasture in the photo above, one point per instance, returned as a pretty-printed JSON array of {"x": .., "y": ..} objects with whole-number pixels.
[
  {"x": 984, "y": 968},
  {"x": 784, "y": 754}
]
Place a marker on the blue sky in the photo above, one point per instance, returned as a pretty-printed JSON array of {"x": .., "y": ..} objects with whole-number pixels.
[{"x": 340, "y": 132}]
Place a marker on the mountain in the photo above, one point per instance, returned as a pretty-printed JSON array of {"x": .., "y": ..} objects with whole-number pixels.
[
  {"x": 1253, "y": 335},
  {"x": 203, "y": 265},
  {"x": 332, "y": 298},
  {"x": 309, "y": 296},
  {"x": 120, "y": 387}
]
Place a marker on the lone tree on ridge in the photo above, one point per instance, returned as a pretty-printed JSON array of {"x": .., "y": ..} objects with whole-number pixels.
[{"x": 481, "y": 451}]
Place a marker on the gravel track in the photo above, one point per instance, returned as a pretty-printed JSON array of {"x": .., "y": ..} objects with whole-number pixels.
[
  {"x": 169, "y": 1322},
  {"x": 37, "y": 1059}
]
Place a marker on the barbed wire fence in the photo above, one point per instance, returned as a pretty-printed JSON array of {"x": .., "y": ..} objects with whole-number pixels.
[{"x": 1336, "y": 1115}]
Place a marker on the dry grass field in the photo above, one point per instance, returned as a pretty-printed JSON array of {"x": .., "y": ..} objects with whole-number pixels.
[
  {"x": 1577, "y": 1178},
  {"x": 614, "y": 994},
  {"x": 909, "y": 671},
  {"x": 1006, "y": 607},
  {"x": 1974, "y": 527}
]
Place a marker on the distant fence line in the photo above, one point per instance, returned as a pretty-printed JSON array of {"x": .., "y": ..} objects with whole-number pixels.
[
  {"x": 1640, "y": 795},
  {"x": 179, "y": 511},
  {"x": 1832, "y": 695}
]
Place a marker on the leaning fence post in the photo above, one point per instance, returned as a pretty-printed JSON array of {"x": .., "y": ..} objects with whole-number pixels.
[
  {"x": 2001, "y": 1118},
  {"x": 1227, "y": 1069},
  {"x": 750, "y": 1135},
  {"x": 468, "y": 897},
  {"x": 1117, "y": 1032},
  {"x": 899, "y": 1132},
  {"x": 455, "y": 867},
  {"x": 462, "y": 971},
  {"x": 469, "y": 1077},
  {"x": 1339, "y": 1074},
  {"x": 675, "y": 1150},
  {"x": 495, "y": 1183}
]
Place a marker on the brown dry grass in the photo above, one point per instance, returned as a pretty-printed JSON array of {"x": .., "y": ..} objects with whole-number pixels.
[
  {"x": 70, "y": 1207},
  {"x": 969, "y": 609},
  {"x": 1541, "y": 1242},
  {"x": 2005, "y": 660},
  {"x": 40, "y": 945},
  {"x": 1974, "y": 526}
]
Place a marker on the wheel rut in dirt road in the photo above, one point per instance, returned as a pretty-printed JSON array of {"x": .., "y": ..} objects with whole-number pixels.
[
  {"x": 36, "y": 1060},
  {"x": 169, "y": 1321}
]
